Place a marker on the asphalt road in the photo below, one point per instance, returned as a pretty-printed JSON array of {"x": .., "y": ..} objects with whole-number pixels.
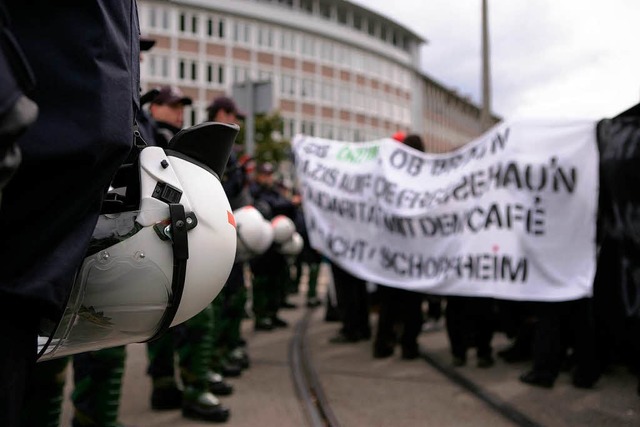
[{"x": 364, "y": 391}]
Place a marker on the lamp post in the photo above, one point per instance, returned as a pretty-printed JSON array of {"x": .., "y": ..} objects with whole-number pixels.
[{"x": 485, "y": 114}]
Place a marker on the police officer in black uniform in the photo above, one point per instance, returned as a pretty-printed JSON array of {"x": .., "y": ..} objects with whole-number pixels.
[
  {"x": 83, "y": 57},
  {"x": 270, "y": 270},
  {"x": 167, "y": 109},
  {"x": 230, "y": 351}
]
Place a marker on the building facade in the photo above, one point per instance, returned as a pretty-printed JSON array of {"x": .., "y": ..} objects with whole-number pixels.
[{"x": 337, "y": 70}]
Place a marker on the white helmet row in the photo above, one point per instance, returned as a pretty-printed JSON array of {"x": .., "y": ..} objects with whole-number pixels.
[
  {"x": 283, "y": 228},
  {"x": 160, "y": 253},
  {"x": 255, "y": 234},
  {"x": 293, "y": 246},
  {"x": 288, "y": 240}
]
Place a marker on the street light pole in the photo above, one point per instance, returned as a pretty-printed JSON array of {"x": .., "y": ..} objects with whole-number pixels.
[{"x": 485, "y": 114}]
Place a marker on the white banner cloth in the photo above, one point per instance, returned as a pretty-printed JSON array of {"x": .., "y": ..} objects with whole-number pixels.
[{"x": 510, "y": 215}]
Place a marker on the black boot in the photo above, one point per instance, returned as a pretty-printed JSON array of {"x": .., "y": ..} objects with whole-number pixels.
[
  {"x": 539, "y": 379},
  {"x": 164, "y": 398},
  {"x": 199, "y": 405},
  {"x": 217, "y": 385}
]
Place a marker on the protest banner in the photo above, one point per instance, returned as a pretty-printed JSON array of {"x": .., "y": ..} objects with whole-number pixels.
[{"x": 510, "y": 215}]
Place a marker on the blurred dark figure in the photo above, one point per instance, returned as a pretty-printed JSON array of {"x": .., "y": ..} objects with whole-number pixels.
[
  {"x": 311, "y": 258},
  {"x": 353, "y": 306},
  {"x": 271, "y": 269},
  {"x": 231, "y": 354},
  {"x": 470, "y": 322},
  {"x": 399, "y": 310},
  {"x": 563, "y": 329},
  {"x": 617, "y": 285},
  {"x": 516, "y": 320}
]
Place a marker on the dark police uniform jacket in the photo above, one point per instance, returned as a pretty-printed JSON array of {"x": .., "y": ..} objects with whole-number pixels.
[{"x": 85, "y": 59}]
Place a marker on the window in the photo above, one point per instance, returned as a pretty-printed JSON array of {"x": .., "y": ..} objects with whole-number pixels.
[
  {"x": 326, "y": 131},
  {"x": 357, "y": 21},
  {"x": 194, "y": 24},
  {"x": 187, "y": 70},
  {"x": 194, "y": 71},
  {"x": 241, "y": 32},
  {"x": 356, "y": 60},
  {"x": 188, "y": 23},
  {"x": 325, "y": 10},
  {"x": 215, "y": 73},
  {"x": 157, "y": 17},
  {"x": 308, "y": 127},
  {"x": 326, "y": 92},
  {"x": 306, "y": 6},
  {"x": 288, "y": 41},
  {"x": 164, "y": 66},
  {"x": 264, "y": 75},
  {"x": 288, "y": 128},
  {"x": 287, "y": 85},
  {"x": 265, "y": 36},
  {"x": 152, "y": 18},
  {"x": 371, "y": 27},
  {"x": 307, "y": 89},
  {"x": 345, "y": 96},
  {"x": 240, "y": 74},
  {"x": 308, "y": 46},
  {"x": 342, "y": 15},
  {"x": 326, "y": 50},
  {"x": 165, "y": 19}
]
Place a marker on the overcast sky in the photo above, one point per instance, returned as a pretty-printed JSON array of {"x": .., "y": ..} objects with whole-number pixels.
[{"x": 549, "y": 59}]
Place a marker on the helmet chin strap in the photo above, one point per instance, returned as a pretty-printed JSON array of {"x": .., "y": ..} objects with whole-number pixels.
[{"x": 180, "y": 242}]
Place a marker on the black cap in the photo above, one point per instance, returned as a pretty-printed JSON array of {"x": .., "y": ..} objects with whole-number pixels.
[
  {"x": 171, "y": 95},
  {"x": 146, "y": 43},
  {"x": 264, "y": 168},
  {"x": 227, "y": 104}
]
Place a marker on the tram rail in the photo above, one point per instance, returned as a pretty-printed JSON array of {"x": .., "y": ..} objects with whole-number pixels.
[
  {"x": 317, "y": 407},
  {"x": 306, "y": 379}
]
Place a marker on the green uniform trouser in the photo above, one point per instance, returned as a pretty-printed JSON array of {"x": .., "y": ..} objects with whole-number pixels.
[
  {"x": 236, "y": 305},
  {"x": 312, "y": 283},
  {"x": 96, "y": 395},
  {"x": 218, "y": 326},
  {"x": 294, "y": 282},
  {"x": 195, "y": 347},
  {"x": 228, "y": 312},
  {"x": 268, "y": 292},
  {"x": 161, "y": 355},
  {"x": 44, "y": 405},
  {"x": 98, "y": 384}
]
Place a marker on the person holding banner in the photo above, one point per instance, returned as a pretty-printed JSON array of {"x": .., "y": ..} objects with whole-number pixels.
[
  {"x": 353, "y": 306},
  {"x": 563, "y": 326},
  {"x": 399, "y": 306},
  {"x": 470, "y": 322}
]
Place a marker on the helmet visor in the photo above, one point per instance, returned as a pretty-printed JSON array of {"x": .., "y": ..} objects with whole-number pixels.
[{"x": 121, "y": 291}]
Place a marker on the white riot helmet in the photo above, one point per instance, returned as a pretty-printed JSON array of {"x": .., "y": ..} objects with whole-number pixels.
[
  {"x": 159, "y": 254},
  {"x": 283, "y": 228},
  {"x": 255, "y": 234},
  {"x": 293, "y": 246}
]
